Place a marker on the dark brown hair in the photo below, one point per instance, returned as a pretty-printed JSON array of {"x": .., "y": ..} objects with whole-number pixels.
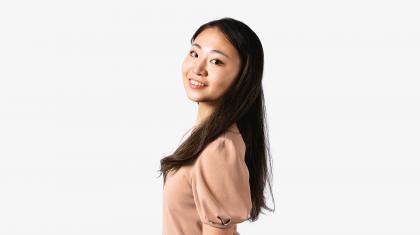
[{"x": 242, "y": 103}]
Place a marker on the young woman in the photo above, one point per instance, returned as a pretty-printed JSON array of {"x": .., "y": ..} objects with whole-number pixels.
[{"x": 216, "y": 178}]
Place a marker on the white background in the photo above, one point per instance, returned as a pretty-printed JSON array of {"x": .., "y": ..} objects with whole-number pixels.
[{"x": 91, "y": 99}]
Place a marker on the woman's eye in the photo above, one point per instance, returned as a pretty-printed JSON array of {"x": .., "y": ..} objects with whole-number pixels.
[
  {"x": 192, "y": 52},
  {"x": 218, "y": 61}
]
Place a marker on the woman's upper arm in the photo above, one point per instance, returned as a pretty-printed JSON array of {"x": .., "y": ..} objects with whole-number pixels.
[{"x": 220, "y": 186}]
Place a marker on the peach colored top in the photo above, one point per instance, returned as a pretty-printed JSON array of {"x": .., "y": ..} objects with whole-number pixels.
[{"x": 213, "y": 192}]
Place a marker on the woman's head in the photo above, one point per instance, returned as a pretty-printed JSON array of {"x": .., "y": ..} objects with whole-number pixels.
[
  {"x": 233, "y": 85},
  {"x": 220, "y": 53},
  {"x": 213, "y": 61}
]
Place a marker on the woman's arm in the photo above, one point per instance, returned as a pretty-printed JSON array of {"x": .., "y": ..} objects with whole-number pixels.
[{"x": 209, "y": 230}]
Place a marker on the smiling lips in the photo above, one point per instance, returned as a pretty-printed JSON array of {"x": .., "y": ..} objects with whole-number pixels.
[{"x": 196, "y": 84}]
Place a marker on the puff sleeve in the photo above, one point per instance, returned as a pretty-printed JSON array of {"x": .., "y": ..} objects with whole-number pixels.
[{"x": 220, "y": 184}]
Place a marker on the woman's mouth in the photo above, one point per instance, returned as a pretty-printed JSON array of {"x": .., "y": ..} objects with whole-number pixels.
[{"x": 196, "y": 84}]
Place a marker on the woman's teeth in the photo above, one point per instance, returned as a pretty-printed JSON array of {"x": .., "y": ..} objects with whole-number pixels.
[{"x": 196, "y": 83}]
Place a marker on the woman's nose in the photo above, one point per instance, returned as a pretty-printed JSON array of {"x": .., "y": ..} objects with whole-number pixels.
[{"x": 200, "y": 67}]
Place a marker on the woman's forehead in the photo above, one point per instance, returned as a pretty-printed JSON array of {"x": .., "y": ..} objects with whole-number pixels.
[{"x": 213, "y": 40}]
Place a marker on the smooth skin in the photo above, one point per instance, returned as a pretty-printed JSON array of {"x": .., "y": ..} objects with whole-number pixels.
[
  {"x": 214, "y": 61},
  {"x": 210, "y": 230}
]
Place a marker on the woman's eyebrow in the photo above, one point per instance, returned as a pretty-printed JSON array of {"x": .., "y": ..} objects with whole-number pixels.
[{"x": 217, "y": 51}]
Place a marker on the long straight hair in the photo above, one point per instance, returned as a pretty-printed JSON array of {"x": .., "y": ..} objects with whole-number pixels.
[{"x": 242, "y": 103}]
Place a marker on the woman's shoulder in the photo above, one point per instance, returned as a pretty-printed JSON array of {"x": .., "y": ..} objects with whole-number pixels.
[
  {"x": 232, "y": 137},
  {"x": 226, "y": 145}
]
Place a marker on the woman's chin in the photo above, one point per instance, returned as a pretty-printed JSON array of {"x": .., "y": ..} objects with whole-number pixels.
[{"x": 194, "y": 97}]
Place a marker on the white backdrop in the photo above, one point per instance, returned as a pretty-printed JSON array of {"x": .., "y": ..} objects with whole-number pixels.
[{"x": 91, "y": 99}]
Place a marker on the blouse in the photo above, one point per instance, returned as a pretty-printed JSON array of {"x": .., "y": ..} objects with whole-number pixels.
[{"x": 214, "y": 191}]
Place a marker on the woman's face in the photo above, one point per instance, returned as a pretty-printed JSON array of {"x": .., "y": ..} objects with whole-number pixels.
[{"x": 213, "y": 61}]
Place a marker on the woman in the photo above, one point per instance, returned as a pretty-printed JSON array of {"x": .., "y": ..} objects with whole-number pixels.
[{"x": 216, "y": 178}]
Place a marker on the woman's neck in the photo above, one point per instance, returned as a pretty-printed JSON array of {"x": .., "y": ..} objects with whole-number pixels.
[{"x": 204, "y": 111}]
